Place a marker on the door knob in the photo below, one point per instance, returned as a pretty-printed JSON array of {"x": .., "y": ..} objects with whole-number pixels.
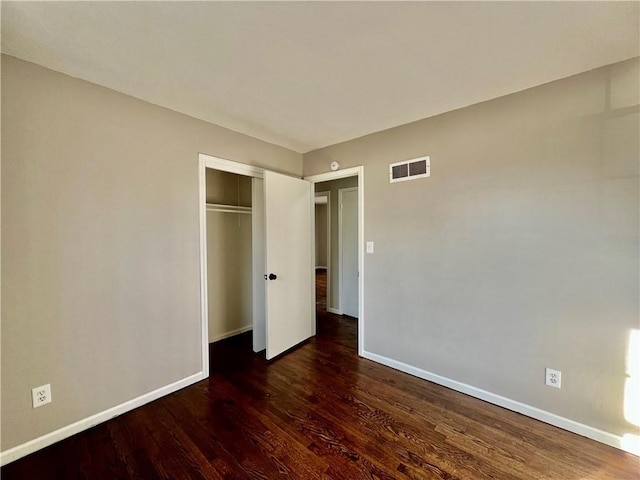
[{"x": 272, "y": 276}]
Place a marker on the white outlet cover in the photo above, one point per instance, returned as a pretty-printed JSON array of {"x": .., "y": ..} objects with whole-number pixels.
[
  {"x": 41, "y": 395},
  {"x": 553, "y": 378},
  {"x": 370, "y": 247}
]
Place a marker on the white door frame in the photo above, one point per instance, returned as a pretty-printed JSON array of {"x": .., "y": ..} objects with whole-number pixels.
[
  {"x": 325, "y": 177},
  {"x": 340, "y": 245},
  {"x": 327, "y": 194},
  {"x": 204, "y": 162}
]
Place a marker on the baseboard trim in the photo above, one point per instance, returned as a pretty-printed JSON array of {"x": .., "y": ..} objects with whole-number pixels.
[
  {"x": 334, "y": 310},
  {"x": 232, "y": 333},
  {"x": 593, "y": 433},
  {"x": 36, "y": 444}
]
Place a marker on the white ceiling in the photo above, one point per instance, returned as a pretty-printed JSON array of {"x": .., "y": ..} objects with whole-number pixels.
[{"x": 306, "y": 75}]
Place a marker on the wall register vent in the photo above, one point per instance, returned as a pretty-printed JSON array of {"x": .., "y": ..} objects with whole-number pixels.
[{"x": 409, "y": 169}]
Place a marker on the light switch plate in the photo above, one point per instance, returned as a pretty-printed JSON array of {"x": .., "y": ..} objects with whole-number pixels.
[{"x": 370, "y": 247}]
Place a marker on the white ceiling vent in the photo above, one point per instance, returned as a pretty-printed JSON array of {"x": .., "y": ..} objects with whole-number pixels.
[{"x": 409, "y": 169}]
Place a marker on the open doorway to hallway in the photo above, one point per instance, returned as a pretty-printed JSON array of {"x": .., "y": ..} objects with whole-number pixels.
[
  {"x": 336, "y": 240},
  {"x": 332, "y": 182}
]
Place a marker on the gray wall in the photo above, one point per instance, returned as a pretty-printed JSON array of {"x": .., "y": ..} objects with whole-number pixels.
[
  {"x": 229, "y": 273},
  {"x": 521, "y": 249},
  {"x": 321, "y": 235},
  {"x": 332, "y": 187},
  {"x": 228, "y": 188},
  {"x": 100, "y": 240},
  {"x": 229, "y": 255}
]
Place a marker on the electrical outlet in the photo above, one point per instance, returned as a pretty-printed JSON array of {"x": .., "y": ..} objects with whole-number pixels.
[
  {"x": 41, "y": 395},
  {"x": 553, "y": 378}
]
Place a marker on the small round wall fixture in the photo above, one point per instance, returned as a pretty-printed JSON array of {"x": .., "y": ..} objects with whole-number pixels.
[{"x": 335, "y": 165}]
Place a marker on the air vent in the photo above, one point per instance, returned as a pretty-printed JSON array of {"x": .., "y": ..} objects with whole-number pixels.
[{"x": 409, "y": 169}]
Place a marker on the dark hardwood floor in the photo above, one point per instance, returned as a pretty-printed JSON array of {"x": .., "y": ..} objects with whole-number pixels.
[
  {"x": 321, "y": 412},
  {"x": 321, "y": 289}
]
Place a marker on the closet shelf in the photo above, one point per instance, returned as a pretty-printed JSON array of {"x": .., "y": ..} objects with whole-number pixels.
[{"x": 218, "y": 207}]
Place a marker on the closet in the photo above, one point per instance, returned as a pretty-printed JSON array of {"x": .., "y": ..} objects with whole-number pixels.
[
  {"x": 256, "y": 256},
  {"x": 229, "y": 254}
]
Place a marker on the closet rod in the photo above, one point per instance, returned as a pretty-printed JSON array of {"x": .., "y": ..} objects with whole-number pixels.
[{"x": 216, "y": 207}]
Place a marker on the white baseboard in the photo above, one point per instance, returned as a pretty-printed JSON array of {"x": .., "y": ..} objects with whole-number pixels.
[
  {"x": 334, "y": 310},
  {"x": 232, "y": 333},
  {"x": 533, "y": 412},
  {"x": 628, "y": 445},
  {"x": 86, "y": 423}
]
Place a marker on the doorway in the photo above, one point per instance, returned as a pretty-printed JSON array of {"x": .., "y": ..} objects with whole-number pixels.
[
  {"x": 347, "y": 178},
  {"x": 335, "y": 278},
  {"x": 206, "y": 163}
]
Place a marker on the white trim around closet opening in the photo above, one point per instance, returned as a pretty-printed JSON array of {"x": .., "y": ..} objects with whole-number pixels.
[
  {"x": 216, "y": 163},
  {"x": 230, "y": 166},
  {"x": 202, "y": 212}
]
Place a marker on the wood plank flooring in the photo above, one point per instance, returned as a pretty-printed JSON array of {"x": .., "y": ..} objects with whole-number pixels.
[
  {"x": 321, "y": 289},
  {"x": 321, "y": 412}
]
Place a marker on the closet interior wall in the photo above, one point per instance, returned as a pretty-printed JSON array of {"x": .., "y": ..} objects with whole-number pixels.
[{"x": 229, "y": 257}]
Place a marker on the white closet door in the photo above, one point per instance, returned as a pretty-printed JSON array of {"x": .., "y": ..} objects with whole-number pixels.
[{"x": 289, "y": 262}]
